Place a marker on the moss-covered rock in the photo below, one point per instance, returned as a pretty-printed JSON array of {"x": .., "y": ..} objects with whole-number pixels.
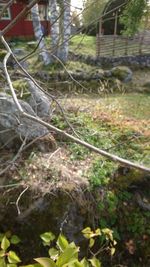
[{"x": 122, "y": 73}]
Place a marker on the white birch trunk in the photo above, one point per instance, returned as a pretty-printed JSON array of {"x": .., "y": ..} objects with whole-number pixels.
[
  {"x": 54, "y": 22},
  {"x": 38, "y": 33},
  {"x": 66, "y": 31}
]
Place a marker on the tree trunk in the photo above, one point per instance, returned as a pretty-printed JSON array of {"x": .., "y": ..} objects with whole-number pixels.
[
  {"x": 54, "y": 20},
  {"x": 38, "y": 34},
  {"x": 66, "y": 31}
]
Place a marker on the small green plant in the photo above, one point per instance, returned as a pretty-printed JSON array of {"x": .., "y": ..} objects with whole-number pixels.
[
  {"x": 106, "y": 237},
  {"x": 100, "y": 172},
  {"x": 61, "y": 252},
  {"x": 65, "y": 253},
  {"x": 8, "y": 258}
]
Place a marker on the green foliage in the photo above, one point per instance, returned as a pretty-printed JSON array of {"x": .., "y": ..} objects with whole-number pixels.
[
  {"x": 92, "y": 11},
  {"x": 133, "y": 14},
  {"x": 47, "y": 238},
  {"x": 108, "y": 210},
  {"x": 61, "y": 254},
  {"x": 66, "y": 254},
  {"x": 59, "y": 122},
  {"x": 136, "y": 222},
  {"x": 8, "y": 258},
  {"x": 100, "y": 172},
  {"x": 106, "y": 236}
]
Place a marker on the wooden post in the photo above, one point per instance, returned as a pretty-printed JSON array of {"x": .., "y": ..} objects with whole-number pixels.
[
  {"x": 99, "y": 38},
  {"x": 100, "y": 27},
  {"x": 97, "y": 45},
  {"x": 115, "y": 32},
  {"x": 143, "y": 35},
  {"x": 126, "y": 46}
]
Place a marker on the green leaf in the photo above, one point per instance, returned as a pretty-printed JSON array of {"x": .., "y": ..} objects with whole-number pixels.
[
  {"x": 92, "y": 242},
  {"x": 14, "y": 239},
  {"x": 97, "y": 232},
  {"x": 85, "y": 263},
  {"x": 1, "y": 237},
  {"x": 108, "y": 233},
  {"x": 12, "y": 257},
  {"x": 47, "y": 237},
  {"x": 53, "y": 253},
  {"x": 46, "y": 262},
  {"x": 87, "y": 232},
  {"x": 2, "y": 263},
  {"x": 69, "y": 254},
  {"x": 2, "y": 253},
  {"x": 62, "y": 242},
  {"x": 5, "y": 243},
  {"x": 112, "y": 251},
  {"x": 11, "y": 265},
  {"x": 75, "y": 263},
  {"x": 95, "y": 262}
]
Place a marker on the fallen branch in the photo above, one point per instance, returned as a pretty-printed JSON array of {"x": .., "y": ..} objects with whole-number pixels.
[
  {"x": 87, "y": 145},
  {"x": 63, "y": 133}
]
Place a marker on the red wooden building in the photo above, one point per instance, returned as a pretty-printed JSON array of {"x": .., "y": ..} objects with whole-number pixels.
[{"x": 24, "y": 28}]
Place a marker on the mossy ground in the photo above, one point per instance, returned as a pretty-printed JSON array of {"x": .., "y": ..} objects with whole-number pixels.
[{"x": 120, "y": 125}]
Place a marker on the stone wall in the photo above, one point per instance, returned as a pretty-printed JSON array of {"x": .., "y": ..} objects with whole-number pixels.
[{"x": 137, "y": 61}]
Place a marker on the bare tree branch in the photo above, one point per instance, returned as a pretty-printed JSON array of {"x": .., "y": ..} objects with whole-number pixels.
[
  {"x": 9, "y": 81},
  {"x": 63, "y": 133}
]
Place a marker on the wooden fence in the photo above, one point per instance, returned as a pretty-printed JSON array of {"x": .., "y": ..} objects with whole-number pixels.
[{"x": 117, "y": 45}]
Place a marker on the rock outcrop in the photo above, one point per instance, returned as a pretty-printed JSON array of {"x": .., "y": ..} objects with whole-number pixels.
[{"x": 13, "y": 127}]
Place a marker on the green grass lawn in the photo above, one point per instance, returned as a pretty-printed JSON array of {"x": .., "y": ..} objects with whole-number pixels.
[
  {"x": 83, "y": 44},
  {"x": 130, "y": 105}
]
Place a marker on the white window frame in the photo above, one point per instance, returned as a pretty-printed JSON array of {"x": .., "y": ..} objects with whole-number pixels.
[{"x": 9, "y": 13}]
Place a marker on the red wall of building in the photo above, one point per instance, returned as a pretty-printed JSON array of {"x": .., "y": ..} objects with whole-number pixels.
[{"x": 23, "y": 28}]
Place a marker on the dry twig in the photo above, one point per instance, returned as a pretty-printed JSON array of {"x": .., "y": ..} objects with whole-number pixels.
[{"x": 18, "y": 199}]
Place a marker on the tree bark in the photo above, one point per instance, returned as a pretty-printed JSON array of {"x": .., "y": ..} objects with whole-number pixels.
[
  {"x": 39, "y": 34},
  {"x": 54, "y": 20},
  {"x": 66, "y": 31}
]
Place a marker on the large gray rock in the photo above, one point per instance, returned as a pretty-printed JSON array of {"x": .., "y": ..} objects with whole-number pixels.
[
  {"x": 40, "y": 103},
  {"x": 14, "y": 127},
  {"x": 122, "y": 73}
]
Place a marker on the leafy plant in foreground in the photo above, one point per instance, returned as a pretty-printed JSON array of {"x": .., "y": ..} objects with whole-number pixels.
[
  {"x": 63, "y": 254},
  {"x": 8, "y": 258}
]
